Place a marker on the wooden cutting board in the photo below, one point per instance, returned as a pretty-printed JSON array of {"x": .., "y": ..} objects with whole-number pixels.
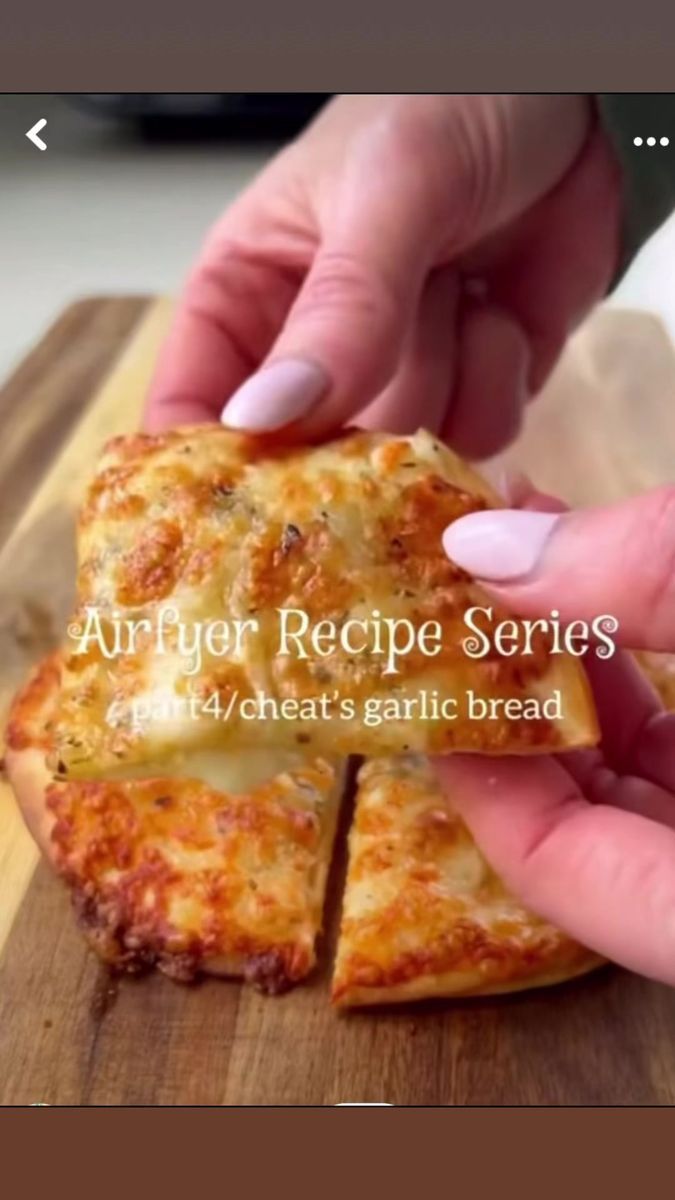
[{"x": 72, "y": 1034}]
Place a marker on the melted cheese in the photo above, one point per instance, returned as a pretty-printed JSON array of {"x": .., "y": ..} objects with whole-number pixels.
[
  {"x": 221, "y": 528},
  {"x": 224, "y": 875},
  {"x": 423, "y": 912}
]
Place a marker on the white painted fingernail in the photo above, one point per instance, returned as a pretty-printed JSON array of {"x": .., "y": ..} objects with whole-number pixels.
[
  {"x": 276, "y": 395},
  {"x": 499, "y": 545}
]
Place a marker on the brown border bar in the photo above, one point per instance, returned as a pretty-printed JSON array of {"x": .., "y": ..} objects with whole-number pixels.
[
  {"x": 467, "y": 1152},
  {"x": 427, "y": 45}
]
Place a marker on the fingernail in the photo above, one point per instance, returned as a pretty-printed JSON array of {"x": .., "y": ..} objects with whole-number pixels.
[
  {"x": 276, "y": 395},
  {"x": 499, "y": 545}
]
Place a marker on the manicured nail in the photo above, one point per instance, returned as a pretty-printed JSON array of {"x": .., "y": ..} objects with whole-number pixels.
[
  {"x": 276, "y": 395},
  {"x": 499, "y": 545}
]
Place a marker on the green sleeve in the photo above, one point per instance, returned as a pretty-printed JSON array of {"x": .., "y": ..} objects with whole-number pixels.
[{"x": 648, "y": 171}]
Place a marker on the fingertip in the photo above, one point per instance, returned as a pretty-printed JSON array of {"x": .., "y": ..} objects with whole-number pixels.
[
  {"x": 168, "y": 412},
  {"x": 283, "y": 392},
  {"x": 499, "y": 545}
]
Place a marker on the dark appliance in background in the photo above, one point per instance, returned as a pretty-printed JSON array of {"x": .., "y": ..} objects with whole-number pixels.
[{"x": 198, "y": 116}]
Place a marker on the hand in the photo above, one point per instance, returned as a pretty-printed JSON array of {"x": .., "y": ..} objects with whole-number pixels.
[
  {"x": 587, "y": 839},
  {"x": 409, "y": 260}
]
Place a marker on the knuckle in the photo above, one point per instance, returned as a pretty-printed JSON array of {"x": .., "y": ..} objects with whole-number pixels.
[
  {"x": 658, "y": 557},
  {"x": 465, "y": 146},
  {"x": 340, "y": 283},
  {"x": 663, "y": 507},
  {"x": 661, "y": 528},
  {"x": 480, "y": 135}
]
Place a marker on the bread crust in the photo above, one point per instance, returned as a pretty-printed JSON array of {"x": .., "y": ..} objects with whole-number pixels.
[
  {"x": 173, "y": 873},
  {"x": 660, "y": 670},
  {"x": 423, "y": 913},
  {"x": 438, "y": 923}
]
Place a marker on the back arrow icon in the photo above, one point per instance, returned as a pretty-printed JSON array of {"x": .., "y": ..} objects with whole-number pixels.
[{"x": 32, "y": 134}]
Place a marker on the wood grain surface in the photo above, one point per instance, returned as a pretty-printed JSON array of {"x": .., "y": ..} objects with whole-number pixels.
[{"x": 70, "y": 1033}]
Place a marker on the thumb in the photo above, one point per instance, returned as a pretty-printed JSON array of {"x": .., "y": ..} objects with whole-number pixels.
[
  {"x": 343, "y": 337},
  {"x": 617, "y": 560},
  {"x": 428, "y": 179}
]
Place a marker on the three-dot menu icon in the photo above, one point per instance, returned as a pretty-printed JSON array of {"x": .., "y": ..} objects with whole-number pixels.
[{"x": 651, "y": 141}]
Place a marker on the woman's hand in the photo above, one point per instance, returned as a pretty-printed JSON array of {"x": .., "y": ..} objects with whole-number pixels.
[
  {"x": 586, "y": 839},
  {"x": 409, "y": 260}
]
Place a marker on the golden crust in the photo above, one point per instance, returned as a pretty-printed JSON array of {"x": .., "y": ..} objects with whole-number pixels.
[
  {"x": 175, "y": 873},
  {"x": 660, "y": 670},
  {"x": 223, "y": 528},
  {"x": 423, "y": 913}
]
